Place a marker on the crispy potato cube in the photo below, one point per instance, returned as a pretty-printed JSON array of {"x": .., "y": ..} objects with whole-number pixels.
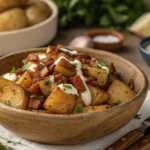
[
  {"x": 98, "y": 96},
  {"x": 64, "y": 55},
  {"x": 14, "y": 95},
  {"x": 65, "y": 68},
  {"x": 98, "y": 73},
  {"x": 95, "y": 108},
  {"x": 120, "y": 91},
  {"x": 60, "y": 102},
  {"x": 25, "y": 80},
  {"x": 4, "y": 82}
]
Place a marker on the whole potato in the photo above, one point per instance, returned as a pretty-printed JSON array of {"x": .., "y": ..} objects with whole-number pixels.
[
  {"x": 13, "y": 19},
  {"x": 7, "y": 4},
  {"x": 37, "y": 12}
]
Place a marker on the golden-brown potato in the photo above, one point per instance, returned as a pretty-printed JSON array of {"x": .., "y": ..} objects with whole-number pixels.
[
  {"x": 14, "y": 95},
  {"x": 98, "y": 73},
  {"x": 120, "y": 91},
  {"x": 25, "y": 80},
  {"x": 98, "y": 96},
  {"x": 95, "y": 108},
  {"x": 13, "y": 19},
  {"x": 46, "y": 86},
  {"x": 4, "y": 82},
  {"x": 7, "y": 4},
  {"x": 59, "y": 102},
  {"x": 37, "y": 12}
]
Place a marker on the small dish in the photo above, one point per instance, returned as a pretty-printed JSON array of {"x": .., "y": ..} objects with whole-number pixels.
[
  {"x": 144, "y": 44},
  {"x": 109, "y": 46}
]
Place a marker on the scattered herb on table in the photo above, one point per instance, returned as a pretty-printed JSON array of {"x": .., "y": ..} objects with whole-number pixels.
[
  {"x": 138, "y": 116},
  {"x": 67, "y": 86},
  {"x": 2, "y": 147},
  {"x": 7, "y": 102},
  {"x": 116, "y": 103},
  {"x": 13, "y": 70},
  {"x": 112, "y": 14},
  {"x": 78, "y": 109}
]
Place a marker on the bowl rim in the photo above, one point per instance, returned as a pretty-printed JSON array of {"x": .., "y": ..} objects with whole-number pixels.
[
  {"x": 144, "y": 87},
  {"x": 100, "y": 31},
  {"x": 54, "y": 9},
  {"x": 141, "y": 45}
]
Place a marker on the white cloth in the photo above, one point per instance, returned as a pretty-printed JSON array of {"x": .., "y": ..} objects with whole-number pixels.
[{"x": 100, "y": 144}]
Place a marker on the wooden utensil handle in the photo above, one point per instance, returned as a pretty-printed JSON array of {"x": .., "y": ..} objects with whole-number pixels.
[{"x": 126, "y": 141}]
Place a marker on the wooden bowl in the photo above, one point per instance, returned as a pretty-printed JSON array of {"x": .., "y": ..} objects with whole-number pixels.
[
  {"x": 106, "y": 46},
  {"x": 77, "y": 128}
]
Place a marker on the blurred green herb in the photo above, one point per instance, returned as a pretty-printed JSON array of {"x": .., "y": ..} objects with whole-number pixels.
[
  {"x": 37, "y": 96},
  {"x": 138, "y": 116},
  {"x": 116, "y": 103},
  {"x": 7, "y": 102},
  {"x": 112, "y": 14},
  {"x": 2, "y": 147},
  {"x": 78, "y": 109},
  {"x": 13, "y": 70}
]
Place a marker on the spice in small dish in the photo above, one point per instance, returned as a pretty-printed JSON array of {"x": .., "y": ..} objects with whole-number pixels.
[
  {"x": 106, "y": 39},
  {"x": 147, "y": 48}
]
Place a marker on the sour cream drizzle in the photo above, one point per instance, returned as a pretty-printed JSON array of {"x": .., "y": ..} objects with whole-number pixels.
[
  {"x": 71, "y": 90},
  {"x": 68, "y": 51},
  {"x": 9, "y": 76},
  {"x": 42, "y": 56},
  {"x": 32, "y": 67},
  {"x": 86, "y": 96},
  {"x": 52, "y": 79}
]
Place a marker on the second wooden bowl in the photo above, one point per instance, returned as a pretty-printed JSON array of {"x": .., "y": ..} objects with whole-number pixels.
[
  {"x": 79, "y": 128},
  {"x": 106, "y": 46}
]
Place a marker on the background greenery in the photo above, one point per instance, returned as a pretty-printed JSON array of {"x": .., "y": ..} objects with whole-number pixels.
[{"x": 114, "y": 14}]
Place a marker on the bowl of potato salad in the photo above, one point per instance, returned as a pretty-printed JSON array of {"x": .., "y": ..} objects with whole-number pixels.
[{"x": 63, "y": 95}]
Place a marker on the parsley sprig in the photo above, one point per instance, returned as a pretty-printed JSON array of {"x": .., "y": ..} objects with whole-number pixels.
[
  {"x": 13, "y": 70},
  {"x": 78, "y": 109},
  {"x": 25, "y": 66},
  {"x": 101, "y": 64}
]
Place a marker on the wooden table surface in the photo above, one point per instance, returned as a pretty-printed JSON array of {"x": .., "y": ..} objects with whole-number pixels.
[{"x": 129, "y": 50}]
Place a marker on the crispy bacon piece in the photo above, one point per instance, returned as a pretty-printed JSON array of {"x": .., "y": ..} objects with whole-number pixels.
[
  {"x": 93, "y": 62},
  {"x": 35, "y": 89},
  {"x": 35, "y": 103},
  {"x": 51, "y": 68},
  {"x": 36, "y": 77},
  {"x": 19, "y": 72},
  {"x": 92, "y": 81},
  {"x": 131, "y": 84},
  {"x": 50, "y": 49},
  {"x": 44, "y": 72},
  {"x": 33, "y": 58},
  {"x": 78, "y": 83},
  {"x": 83, "y": 58},
  {"x": 112, "y": 66},
  {"x": 47, "y": 61}
]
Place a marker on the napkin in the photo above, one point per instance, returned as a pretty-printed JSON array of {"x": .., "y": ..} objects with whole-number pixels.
[{"x": 8, "y": 139}]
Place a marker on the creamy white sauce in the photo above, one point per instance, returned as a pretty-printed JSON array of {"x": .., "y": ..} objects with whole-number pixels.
[
  {"x": 71, "y": 90},
  {"x": 68, "y": 51},
  {"x": 86, "y": 95},
  {"x": 52, "y": 79},
  {"x": 11, "y": 77},
  {"x": 42, "y": 56},
  {"x": 32, "y": 67},
  {"x": 106, "y": 39},
  {"x": 105, "y": 68}
]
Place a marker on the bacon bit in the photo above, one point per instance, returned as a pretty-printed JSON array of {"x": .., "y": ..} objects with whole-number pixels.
[
  {"x": 40, "y": 67},
  {"x": 19, "y": 72},
  {"x": 35, "y": 103},
  {"x": 112, "y": 66},
  {"x": 105, "y": 87},
  {"x": 44, "y": 72},
  {"x": 33, "y": 58},
  {"x": 62, "y": 80},
  {"x": 78, "y": 84},
  {"x": 57, "y": 77},
  {"x": 83, "y": 55},
  {"x": 35, "y": 89},
  {"x": 36, "y": 77},
  {"x": 93, "y": 81},
  {"x": 51, "y": 68},
  {"x": 66, "y": 64},
  {"x": 93, "y": 62},
  {"x": 131, "y": 84},
  {"x": 47, "y": 61}
]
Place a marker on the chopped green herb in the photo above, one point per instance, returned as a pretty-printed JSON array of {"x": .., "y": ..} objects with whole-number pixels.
[
  {"x": 138, "y": 116},
  {"x": 47, "y": 83},
  {"x": 116, "y": 103},
  {"x": 37, "y": 96},
  {"x": 24, "y": 61},
  {"x": 101, "y": 64},
  {"x": 7, "y": 102},
  {"x": 25, "y": 67},
  {"x": 17, "y": 78},
  {"x": 67, "y": 86},
  {"x": 109, "y": 80},
  {"x": 78, "y": 109},
  {"x": 13, "y": 70},
  {"x": 2, "y": 147}
]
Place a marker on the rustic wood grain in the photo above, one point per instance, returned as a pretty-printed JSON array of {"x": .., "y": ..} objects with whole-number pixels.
[{"x": 126, "y": 140}]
